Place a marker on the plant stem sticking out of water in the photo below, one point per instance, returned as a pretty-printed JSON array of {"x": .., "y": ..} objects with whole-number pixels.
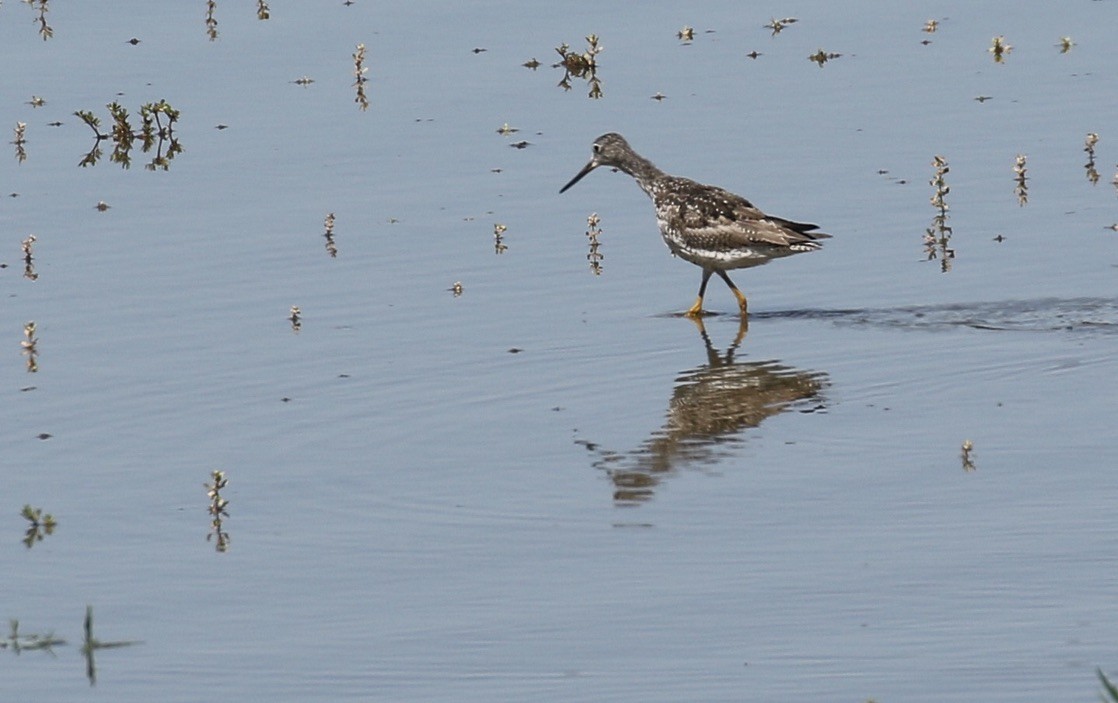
[
  {"x": 217, "y": 509},
  {"x": 359, "y": 71},
  {"x": 262, "y": 11},
  {"x": 29, "y": 257},
  {"x": 938, "y": 236},
  {"x": 296, "y": 319},
  {"x": 20, "y": 142},
  {"x": 1065, "y": 44},
  {"x": 499, "y": 246},
  {"x": 1022, "y": 188},
  {"x": 211, "y": 19},
  {"x": 30, "y": 348},
  {"x": 968, "y": 460},
  {"x": 330, "y": 246},
  {"x": 999, "y": 49},
  {"x": 90, "y": 644},
  {"x": 1089, "y": 147},
  {"x": 592, "y": 232}
]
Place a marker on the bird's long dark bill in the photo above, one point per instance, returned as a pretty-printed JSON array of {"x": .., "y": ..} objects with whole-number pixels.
[{"x": 586, "y": 169}]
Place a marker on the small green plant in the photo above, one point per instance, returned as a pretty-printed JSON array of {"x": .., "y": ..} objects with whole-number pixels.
[
  {"x": 157, "y": 129},
  {"x": 41, "y": 525},
  {"x": 584, "y": 65}
]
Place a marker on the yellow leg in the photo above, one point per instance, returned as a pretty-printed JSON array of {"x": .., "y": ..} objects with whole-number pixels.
[
  {"x": 696, "y": 310},
  {"x": 743, "y": 304}
]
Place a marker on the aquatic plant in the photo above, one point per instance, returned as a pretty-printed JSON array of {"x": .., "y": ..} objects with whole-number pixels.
[
  {"x": 218, "y": 505},
  {"x": 211, "y": 19},
  {"x": 19, "y": 642},
  {"x": 20, "y": 141},
  {"x": 152, "y": 133},
  {"x": 938, "y": 235},
  {"x": 999, "y": 49},
  {"x": 687, "y": 34},
  {"x": 329, "y": 235},
  {"x": 968, "y": 459},
  {"x": 1065, "y": 44},
  {"x": 777, "y": 26},
  {"x": 1022, "y": 187},
  {"x": 1089, "y": 147},
  {"x": 262, "y": 10},
  {"x": 42, "y": 6},
  {"x": 30, "y": 348},
  {"x": 27, "y": 246},
  {"x": 40, "y": 525},
  {"x": 584, "y": 66},
  {"x": 296, "y": 319},
  {"x": 821, "y": 57},
  {"x": 499, "y": 246},
  {"x": 91, "y": 644},
  {"x": 1110, "y": 688},
  {"x": 456, "y": 289},
  {"x": 592, "y": 232},
  {"x": 359, "y": 71}
]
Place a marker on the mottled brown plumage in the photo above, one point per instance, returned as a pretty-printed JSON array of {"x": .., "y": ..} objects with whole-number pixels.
[{"x": 706, "y": 225}]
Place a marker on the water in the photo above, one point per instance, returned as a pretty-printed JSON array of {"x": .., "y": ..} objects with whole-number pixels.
[{"x": 552, "y": 487}]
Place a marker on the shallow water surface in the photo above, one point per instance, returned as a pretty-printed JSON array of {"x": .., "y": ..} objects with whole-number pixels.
[{"x": 552, "y": 486}]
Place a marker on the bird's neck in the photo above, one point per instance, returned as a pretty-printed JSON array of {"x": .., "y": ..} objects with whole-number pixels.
[{"x": 643, "y": 170}]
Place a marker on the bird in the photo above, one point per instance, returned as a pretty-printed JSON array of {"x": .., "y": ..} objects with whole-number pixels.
[{"x": 703, "y": 224}]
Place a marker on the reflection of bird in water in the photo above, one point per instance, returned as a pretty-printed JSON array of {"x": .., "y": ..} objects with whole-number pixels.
[
  {"x": 710, "y": 405},
  {"x": 708, "y": 226}
]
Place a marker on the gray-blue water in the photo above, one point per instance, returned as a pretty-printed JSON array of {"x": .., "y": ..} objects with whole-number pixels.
[{"x": 552, "y": 487}]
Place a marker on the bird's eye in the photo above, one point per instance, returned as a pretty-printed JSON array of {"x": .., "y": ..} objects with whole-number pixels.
[{"x": 597, "y": 148}]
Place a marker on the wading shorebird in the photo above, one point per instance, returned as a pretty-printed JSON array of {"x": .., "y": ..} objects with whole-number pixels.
[{"x": 708, "y": 226}]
